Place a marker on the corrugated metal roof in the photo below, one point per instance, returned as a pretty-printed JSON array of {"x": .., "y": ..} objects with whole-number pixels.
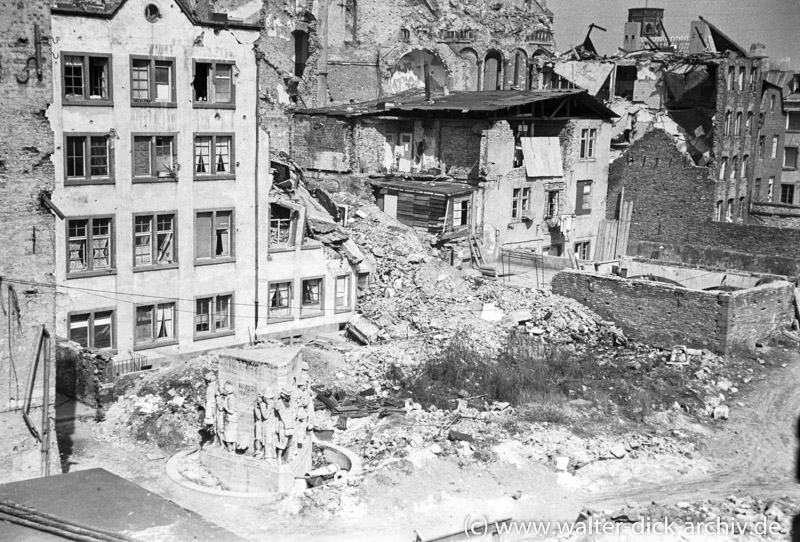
[
  {"x": 444, "y": 188},
  {"x": 458, "y": 101}
]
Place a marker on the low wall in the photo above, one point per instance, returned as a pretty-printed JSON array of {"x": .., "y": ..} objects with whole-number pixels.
[
  {"x": 665, "y": 315},
  {"x": 80, "y": 373},
  {"x": 690, "y": 277}
]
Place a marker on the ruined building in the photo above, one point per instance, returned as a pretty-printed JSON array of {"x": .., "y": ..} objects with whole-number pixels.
[
  {"x": 27, "y": 291},
  {"x": 170, "y": 244},
  {"x": 319, "y": 53}
]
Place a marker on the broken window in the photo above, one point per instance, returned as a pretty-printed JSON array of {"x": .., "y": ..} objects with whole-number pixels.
[
  {"x": 742, "y": 74},
  {"x": 723, "y": 164},
  {"x": 761, "y": 146},
  {"x": 583, "y": 198},
  {"x": 460, "y": 213},
  {"x": 213, "y": 83},
  {"x": 351, "y": 20},
  {"x": 154, "y": 324},
  {"x": 770, "y": 189},
  {"x": 312, "y": 295},
  {"x": 551, "y": 204},
  {"x": 87, "y": 159},
  {"x": 281, "y": 225},
  {"x": 729, "y": 211},
  {"x": 342, "y": 293},
  {"x": 213, "y": 314},
  {"x": 741, "y": 208},
  {"x": 154, "y": 240},
  {"x": 588, "y": 143},
  {"x": 155, "y": 156},
  {"x": 727, "y": 127},
  {"x": 774, "y": 146},
  {"x": 213, "y": 237},
  {"x": 493, "y": 71},
  {"x": 280, "y": 298},
  {"x": 734, "y": 169},
  {"x": 790, "y": 158},
  {"x": 753, "y": 78},
  {"x": 152, "y": 81},
  {"x": 793, "y": 121},
  {"x": 89, "y": 244},
  {"x": 737, "y": 127},
  {"x": 213, "y": 155},
  {"x": 582, "y": 250},
  {"x": 92, "y": 329},
  {"x": 300, "y": 52},
  {"x": 718, "y": 213},
  {"x": 787, "y": 194},
  {"x": 87, "y": 77},
  {"x": 748, "y": 126},
  {"x": 757, "y": 190}
]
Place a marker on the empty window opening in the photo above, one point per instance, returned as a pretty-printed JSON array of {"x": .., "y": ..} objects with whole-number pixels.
[
  {"x": 281, "y": 225},
  {"x": 300, "y": 52}
]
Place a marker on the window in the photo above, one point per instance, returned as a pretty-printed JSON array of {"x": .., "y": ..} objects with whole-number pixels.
[
  {"x": 90, "y": 244},
  {"x": 582, "y": 250},
  {"x": 460, "y": 213},
  {"x": 748, "y": 125},
  {"x": 342, "y": 293},
  {"x": 731, "y": 78},
  {"x": 151, "y": 13},
  {"x": 87, "y": 159},
  {"x": 583, "y": 198},
  {"x": 745, "y": 163},
  {"x": 727, "y": 128},
  {"x": 92, "y": 329},
  {"x": 793, "y": 121},
  {"x": 213, "y": 156},
  {"x": 722, "y": 166},
  {"x": 280, "y": 299},
  {"x": 300, "y": 52},
  {"x": 155, "y": 324},
  {"x": 718, "y": 213},
  {"x": 787, "y": 194},
  {"x": 213, "y": 83},
  {"x": 86, "y": 79},
  {"x": 772, "y": 102},
  {"x": 520, "y": 201},
  {"x": 734, "y": 169},
  {"x": 757, "y": 190},
  {"x": 154, "y": 240},
  {"x": 551, "y": 204},
  {"x": 729, "y": 211},
  {"x": 761, "y": 146},
  {"x": 152, "y": 81},
  {"x": 741, "y": 208},
  {"x": 213, "y": 236},
  {"x": 774, "y": 146},
  {"x": 282, "y": 221},
  {"x": 737, "y": 127},
  {"x": 753, "y": 78},
  {"x": 770, "y": 189},
  {"x": 213, "y": 315},
  {"x": 588, "y": 142},
  {"x": 742, "y": 75},
  {"x": 790, "y": 158},
  {"x": 155, "y": 157},
  {"x": 312, "y": 296}
]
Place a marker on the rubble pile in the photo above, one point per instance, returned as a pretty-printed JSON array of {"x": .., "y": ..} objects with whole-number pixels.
[{"x": 742, "y": 515}]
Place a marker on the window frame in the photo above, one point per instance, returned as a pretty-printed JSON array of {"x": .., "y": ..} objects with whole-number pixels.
[
  {"x": 588, "y": 144},
  {"x": 90, "y": 271},
  {"x": 156, "y": 342},
  {"x": 580, "y": 201},
  {"x": 457, "y": 203},
  {"x": 212, "y": 157},
  {"x": 520, "y": 202},
  {"x": 90, "y": 327},
  {"x": 314, "y": 309},
  {"x": 154, "y": 178},
  {"x": 789, "y": 187},
  {"x": 214, "y": 259},
  {"x": 280, "y": 314},
  {"x": 552, "y": 199},
  {"x": 153, "y": 238},
  {"x": 213, "y": 104},
  {"x": 788, "y": 117},
  {"x": 796, "y": 157},
  {"x": 88, "y": 179},
  {"x": 349, "y": 301},
  {"x": 151, "y": 82},
  {"x": 579, "y": 247},
  {"x": 776, "y": 141},
  {"x": 212, "y": 333},
  {"x": 86, "y": 100}
]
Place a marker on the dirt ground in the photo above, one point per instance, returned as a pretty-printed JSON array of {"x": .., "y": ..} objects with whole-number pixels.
[{"x": 752, "y": 454}]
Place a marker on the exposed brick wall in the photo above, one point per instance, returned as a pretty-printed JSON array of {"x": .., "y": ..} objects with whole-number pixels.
[
  {"x": 460, "y": 147},
  {"x": 666, "y": 315},
  {"x": 771, "y": 124},
  {"x": 26, "y": 144},
  {"x": 321, "y": 143}
]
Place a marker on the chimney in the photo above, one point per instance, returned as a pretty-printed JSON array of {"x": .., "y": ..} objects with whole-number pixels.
[{"x": 758, "y": 50}]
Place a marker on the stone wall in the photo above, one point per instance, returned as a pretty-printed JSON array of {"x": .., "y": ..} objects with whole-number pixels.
[
  {"x": 81, "y": 373},
  {"x": 665, "y": 315},
  {"x": 26, "y": 171}
]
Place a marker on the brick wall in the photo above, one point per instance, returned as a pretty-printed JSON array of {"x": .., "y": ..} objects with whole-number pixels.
[
  {"x": 26, "y": 144},
  {"x": 665, "y": 315},
  {"x": 772, "y": 124},
  {"x": 460, "y": 147},
  {"x": 321, "y": 143}
]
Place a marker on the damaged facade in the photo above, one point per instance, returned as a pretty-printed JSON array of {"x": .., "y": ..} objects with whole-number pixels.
[
  {"x": 520, "y": 170},
  {"x": 165, "y": 179},
  {"x": 317, "y": 53}
]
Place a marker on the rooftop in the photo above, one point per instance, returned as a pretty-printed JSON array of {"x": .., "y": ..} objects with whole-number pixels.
[{"x": 440, "y": 188}]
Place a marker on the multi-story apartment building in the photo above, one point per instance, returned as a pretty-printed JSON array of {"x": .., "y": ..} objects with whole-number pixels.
[{"x": 164, "y": 177}]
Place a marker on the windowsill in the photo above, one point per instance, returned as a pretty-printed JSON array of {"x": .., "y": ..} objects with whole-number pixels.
[
  {"x": 206, "y": 335},
  {"x": 272, "y": 250},
  {"x": 163, "y": 105},
  {"x": 312, "y": 314},
  {"x": 151, "y": 180},
  {"x": 583, "y": 213},
  {"x": 145, "y": 268},
  {"x": 789, "y": 169},
  {"x": 89, "y": 103},
  {"x": 310, "y": 247},
  {"x": 206, "y": 105},
  {"x": 593, "y": 159},
  {"x": 214, "y": 261},
  {"x": 339, "y": 310},
  {"x": 88, "y": 182},
  {"x": 231, "y": 177},
  {"x": 88, "y": 274},
  {"x": 150, "y": 346},
  {"x": 279, "y": 319}
]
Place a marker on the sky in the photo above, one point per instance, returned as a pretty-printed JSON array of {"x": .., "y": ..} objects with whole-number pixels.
[{"x": 775, "y": 23}]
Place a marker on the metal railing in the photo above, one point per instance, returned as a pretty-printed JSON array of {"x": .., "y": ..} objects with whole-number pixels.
[{"x": 134, "y": 364}]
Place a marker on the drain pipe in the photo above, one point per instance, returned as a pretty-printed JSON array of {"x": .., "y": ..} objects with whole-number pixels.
[{"x": 258, "y": 150}]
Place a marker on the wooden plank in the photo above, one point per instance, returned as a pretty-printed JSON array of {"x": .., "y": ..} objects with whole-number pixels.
[
  {"x": 573, "y": 261},
  {"x": 598, "y": 243},
  {"x": 624, "y": 228},
  {"x": 611, "y": 239}
]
